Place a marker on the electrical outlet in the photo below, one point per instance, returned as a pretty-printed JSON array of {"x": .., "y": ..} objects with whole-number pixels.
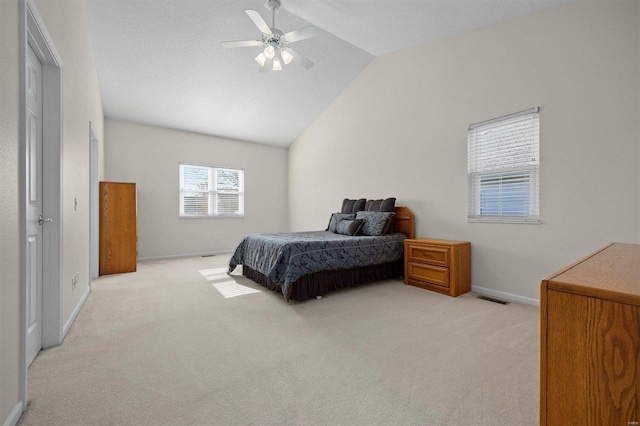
[{"x": 74, "y": 280}]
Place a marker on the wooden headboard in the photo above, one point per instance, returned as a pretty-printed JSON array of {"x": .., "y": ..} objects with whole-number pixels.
[{"x": 403, "y": 222}]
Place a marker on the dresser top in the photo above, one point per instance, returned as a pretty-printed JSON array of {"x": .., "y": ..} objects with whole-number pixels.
[
  {"x": 434, "y": 242},
  {"x": 612, "y": 273}
]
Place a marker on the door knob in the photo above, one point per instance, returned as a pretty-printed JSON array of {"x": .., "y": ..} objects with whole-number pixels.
[{"x": 42, "y": 220}]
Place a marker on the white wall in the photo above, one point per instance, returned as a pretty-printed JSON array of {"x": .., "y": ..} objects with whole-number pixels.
[
  {"x": 66, "y": 22},
  {"x": 10, "y": 309},
  {"x": 150, "y": 156},
  {"x": 400, "y": 130}
]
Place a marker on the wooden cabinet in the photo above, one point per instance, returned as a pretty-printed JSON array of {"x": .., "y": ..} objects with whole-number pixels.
[
  {"x": 438, "y": 265},
  {"x": 590, "y": 340},
  {"x": 118, "y": 228}
]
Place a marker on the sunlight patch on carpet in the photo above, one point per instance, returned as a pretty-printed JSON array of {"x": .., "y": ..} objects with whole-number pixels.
[
  {"x": 228, "y": 287},
  {"x": 213, "y": 272},
  {"x": 232, "y": 289}
]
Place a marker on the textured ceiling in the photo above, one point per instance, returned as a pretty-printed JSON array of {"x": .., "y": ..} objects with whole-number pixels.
[{"x": 160, "y": 62}]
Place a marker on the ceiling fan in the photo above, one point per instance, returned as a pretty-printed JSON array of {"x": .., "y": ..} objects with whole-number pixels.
[{"x": 277, "y": 52}]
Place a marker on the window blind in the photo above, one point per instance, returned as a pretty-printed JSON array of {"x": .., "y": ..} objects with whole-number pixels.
[
  {"x": 503, "y": 169},
  {"x": 229, "y": 191},
  {"x": 210, "y": 191},
  {"x": 194, "y": 190}
]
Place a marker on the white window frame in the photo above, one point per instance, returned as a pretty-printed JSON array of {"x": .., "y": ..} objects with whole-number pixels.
[
  {"x": 513, "y": 155},
  {"x": 213, "y": 191}
]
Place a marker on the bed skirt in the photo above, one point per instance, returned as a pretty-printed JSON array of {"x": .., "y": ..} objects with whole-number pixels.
[{"x": 321, "y": 283}]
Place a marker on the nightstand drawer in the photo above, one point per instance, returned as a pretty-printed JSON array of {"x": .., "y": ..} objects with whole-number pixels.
[
  {"x": 429, "y": 254},
  {"x": 429, "y": 273}
]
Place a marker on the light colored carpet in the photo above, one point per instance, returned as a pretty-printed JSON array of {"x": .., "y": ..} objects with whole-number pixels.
[{"x": 164, "y": 346}]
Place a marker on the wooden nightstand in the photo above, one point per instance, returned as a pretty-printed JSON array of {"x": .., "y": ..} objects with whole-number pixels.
[{"x": 438, "y": 265}]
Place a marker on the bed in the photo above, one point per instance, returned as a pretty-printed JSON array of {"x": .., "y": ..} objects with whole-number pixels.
[{"x": 305, "y": 265}]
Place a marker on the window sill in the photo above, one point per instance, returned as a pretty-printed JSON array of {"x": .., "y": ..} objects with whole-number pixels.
[
  {"x": 504, "y": 219},
  {"x": 225, "y": 216}
]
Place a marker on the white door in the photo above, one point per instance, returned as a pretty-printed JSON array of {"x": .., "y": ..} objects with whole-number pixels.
[{"x": 34, "y": 205}]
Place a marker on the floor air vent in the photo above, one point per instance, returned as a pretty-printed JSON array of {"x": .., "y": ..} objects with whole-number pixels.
[
  {"x": 207, "y": 255},
  {"x": 491, "y": 299}
]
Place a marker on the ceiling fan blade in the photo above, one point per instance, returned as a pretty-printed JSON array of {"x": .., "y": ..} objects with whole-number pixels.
[
  {"x": 257, "y": 19},
  {"x": 241, "y": 43},
  {"x": 268, "y": 64},
  {"x": 304, "y": 62},
  {"x": 301, "y": 34}
]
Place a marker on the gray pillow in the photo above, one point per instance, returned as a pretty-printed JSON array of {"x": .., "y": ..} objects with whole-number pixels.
[
  {"x": 375, "y": 223},
  {"x": 353, "y": 206},
  {"x": 386, "y": 205},
  {"x": 337, "y": 218},
  {"x": 349, "y": 227},
  {"x": 372, "y": 205}
]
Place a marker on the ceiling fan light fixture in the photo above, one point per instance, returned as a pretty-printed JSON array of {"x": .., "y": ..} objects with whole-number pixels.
[
  {"x": 261, "y": 59},
  {"x": 274, "y": 43},
  {"x": 269, "y": 51},
  {"x": 286, "y": 57}
]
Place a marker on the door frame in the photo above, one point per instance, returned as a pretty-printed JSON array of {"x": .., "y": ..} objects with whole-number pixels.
[
  {"x": 94, "y": 222},
  {"x": 33, "y": 32}
]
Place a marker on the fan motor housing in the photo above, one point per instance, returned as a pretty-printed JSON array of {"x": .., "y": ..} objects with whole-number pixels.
[{"x": 276, "y": 38}]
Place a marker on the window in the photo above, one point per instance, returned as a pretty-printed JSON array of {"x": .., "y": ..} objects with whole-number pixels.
[
  {"x": 503, "y": 169},
  {"x": 211, "y": 191}
]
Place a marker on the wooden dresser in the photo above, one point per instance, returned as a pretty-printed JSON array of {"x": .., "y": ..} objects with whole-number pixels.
[
  {"x": 118, "y": 228},
  {"x": 590, "y": 340},
  {"x": 438, "y": 265}
]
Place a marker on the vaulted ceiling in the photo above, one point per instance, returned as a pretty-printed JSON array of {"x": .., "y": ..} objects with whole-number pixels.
[{"x": 161, "y": 62}]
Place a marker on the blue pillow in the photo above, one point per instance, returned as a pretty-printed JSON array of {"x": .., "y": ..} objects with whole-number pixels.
[
  {"x": 337, "y": 218},
  {"x": 349, "y": 227},
  {"x": 375, "y": 223}
]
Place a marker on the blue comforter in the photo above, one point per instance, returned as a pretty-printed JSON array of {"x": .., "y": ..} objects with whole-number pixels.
[{"x": 284, "y": 258}]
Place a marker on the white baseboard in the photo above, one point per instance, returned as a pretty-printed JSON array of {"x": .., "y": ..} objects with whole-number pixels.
[
  {"x": 178, "y": 256},
  {"x": 505, "y": 296},
  {"x": 75, "y": 312},
  {"x": 13, "y": 418}
]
